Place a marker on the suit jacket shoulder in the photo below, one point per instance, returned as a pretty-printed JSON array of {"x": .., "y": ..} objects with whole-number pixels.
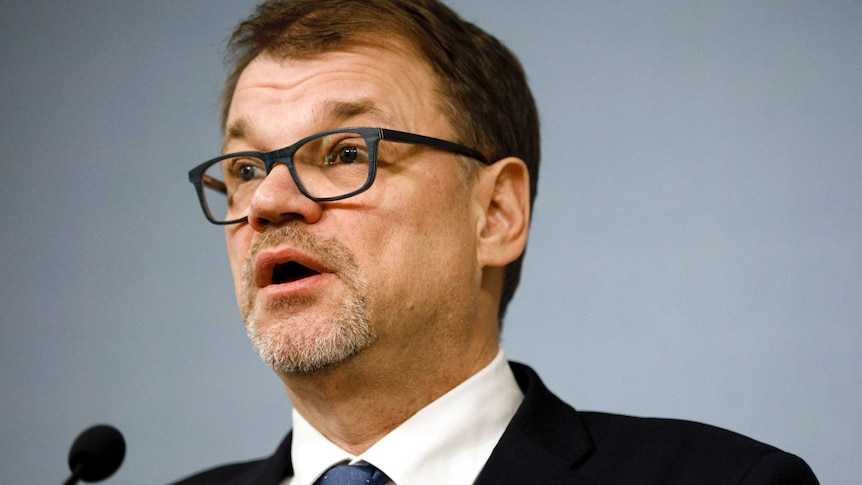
[
  {"x": 268, "y": 471},
  {"x": 549, "y": 442},
  {"x": 675, "y": 451}
]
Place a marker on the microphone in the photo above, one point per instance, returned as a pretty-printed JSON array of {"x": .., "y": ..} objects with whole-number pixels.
[{"x": 96, "y": 454}]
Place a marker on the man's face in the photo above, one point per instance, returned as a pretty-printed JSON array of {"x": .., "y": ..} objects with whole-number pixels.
[{"x": 391, "y": 272}]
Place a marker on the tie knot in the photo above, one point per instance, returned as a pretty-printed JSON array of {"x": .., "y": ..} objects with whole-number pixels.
[{"x": 353, "y": 475}]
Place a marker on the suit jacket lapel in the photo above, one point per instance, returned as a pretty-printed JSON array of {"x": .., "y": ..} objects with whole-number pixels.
[
  {"x": 275, "y": 468},
  {"x": 542, "y": 444}
]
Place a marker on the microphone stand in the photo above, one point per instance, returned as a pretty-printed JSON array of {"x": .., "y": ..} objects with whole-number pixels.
[{"x": 75, "y": 476}]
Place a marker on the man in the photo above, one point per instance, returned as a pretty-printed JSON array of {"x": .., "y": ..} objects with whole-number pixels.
[{"x": 381, "y": 161}]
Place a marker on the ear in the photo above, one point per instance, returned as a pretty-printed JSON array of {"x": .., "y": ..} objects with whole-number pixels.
[{"x": 503, "y": 195}]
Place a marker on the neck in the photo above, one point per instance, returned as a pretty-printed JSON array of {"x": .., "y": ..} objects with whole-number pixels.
[{"x": 359, "y": 401}]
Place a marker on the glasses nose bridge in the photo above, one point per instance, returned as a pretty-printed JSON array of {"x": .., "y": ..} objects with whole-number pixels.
[
  {"x": 279, "y": 157},
  {"x": 274, "y": 159},
  {"x": 276, "y": 194}
]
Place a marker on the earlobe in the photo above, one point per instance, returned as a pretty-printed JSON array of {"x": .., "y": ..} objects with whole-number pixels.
[{"x": 503, "y": 226}]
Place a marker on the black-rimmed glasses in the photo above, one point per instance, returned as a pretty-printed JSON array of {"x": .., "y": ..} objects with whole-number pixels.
[{"x": 326, "y": 167}]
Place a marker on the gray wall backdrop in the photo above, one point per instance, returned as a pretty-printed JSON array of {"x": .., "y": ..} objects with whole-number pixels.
[{"x": 696, "y": 249}]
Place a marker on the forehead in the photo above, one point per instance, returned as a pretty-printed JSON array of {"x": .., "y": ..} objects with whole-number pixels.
[{"x": 383, "y": 84}]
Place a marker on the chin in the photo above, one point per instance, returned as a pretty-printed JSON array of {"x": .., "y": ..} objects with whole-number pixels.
[{"x": 299, "y": 346}]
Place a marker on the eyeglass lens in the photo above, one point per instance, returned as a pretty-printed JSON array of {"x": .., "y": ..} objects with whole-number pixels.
[{"x": 329, "y": 165}]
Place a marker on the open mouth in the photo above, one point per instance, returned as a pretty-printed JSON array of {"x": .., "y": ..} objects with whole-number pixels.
[{"x": 290, "y": 272}]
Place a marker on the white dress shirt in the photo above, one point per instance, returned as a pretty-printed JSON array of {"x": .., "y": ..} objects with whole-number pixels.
[{"x": 448, "y": 441}]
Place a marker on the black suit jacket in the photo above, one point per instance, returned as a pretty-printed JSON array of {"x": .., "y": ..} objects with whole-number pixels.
[{"x": 548, "y": 442}]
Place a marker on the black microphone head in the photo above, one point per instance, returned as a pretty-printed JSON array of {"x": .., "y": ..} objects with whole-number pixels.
[{"x": 97, "y": 453}]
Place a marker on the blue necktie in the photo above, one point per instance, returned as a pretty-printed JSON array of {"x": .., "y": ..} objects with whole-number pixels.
[{"x": 353, "y": 475}]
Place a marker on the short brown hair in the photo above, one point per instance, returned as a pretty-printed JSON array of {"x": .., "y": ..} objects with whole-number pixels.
[{"x": 483, "y": 88}]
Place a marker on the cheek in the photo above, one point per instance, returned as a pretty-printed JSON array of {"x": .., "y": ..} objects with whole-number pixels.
[
  {"x": 429, "y": 272},
  {"x": 238, "y": 242},
  {"x": 418, "y": 238}
]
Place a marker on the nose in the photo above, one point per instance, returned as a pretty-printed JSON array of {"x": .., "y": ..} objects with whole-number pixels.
[{"x": 278, "y": 200}]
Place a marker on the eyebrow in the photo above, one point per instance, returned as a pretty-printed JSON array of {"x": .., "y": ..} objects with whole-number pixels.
[
  {"x": 339, "y": 111},
  {"x": 327, "y": 112},
  {"x": 236, "y": 130}
]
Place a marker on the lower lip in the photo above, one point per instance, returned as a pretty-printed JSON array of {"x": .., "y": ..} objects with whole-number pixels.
[{"x": 302, "y": 287}]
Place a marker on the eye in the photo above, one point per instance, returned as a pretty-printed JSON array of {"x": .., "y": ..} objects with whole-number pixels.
[
  {"x": 246, "y": 172},
  {"x": 246, "y": 169},
  {"x": 342, "y": 155}
]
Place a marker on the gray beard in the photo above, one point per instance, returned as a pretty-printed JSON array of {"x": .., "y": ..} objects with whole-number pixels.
[{"x": 331, "y": 336}]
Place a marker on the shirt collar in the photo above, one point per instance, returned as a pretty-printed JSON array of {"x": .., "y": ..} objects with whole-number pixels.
[
  {"x": 311, "y": 453},
  {"x": 447, "y": 441}
]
